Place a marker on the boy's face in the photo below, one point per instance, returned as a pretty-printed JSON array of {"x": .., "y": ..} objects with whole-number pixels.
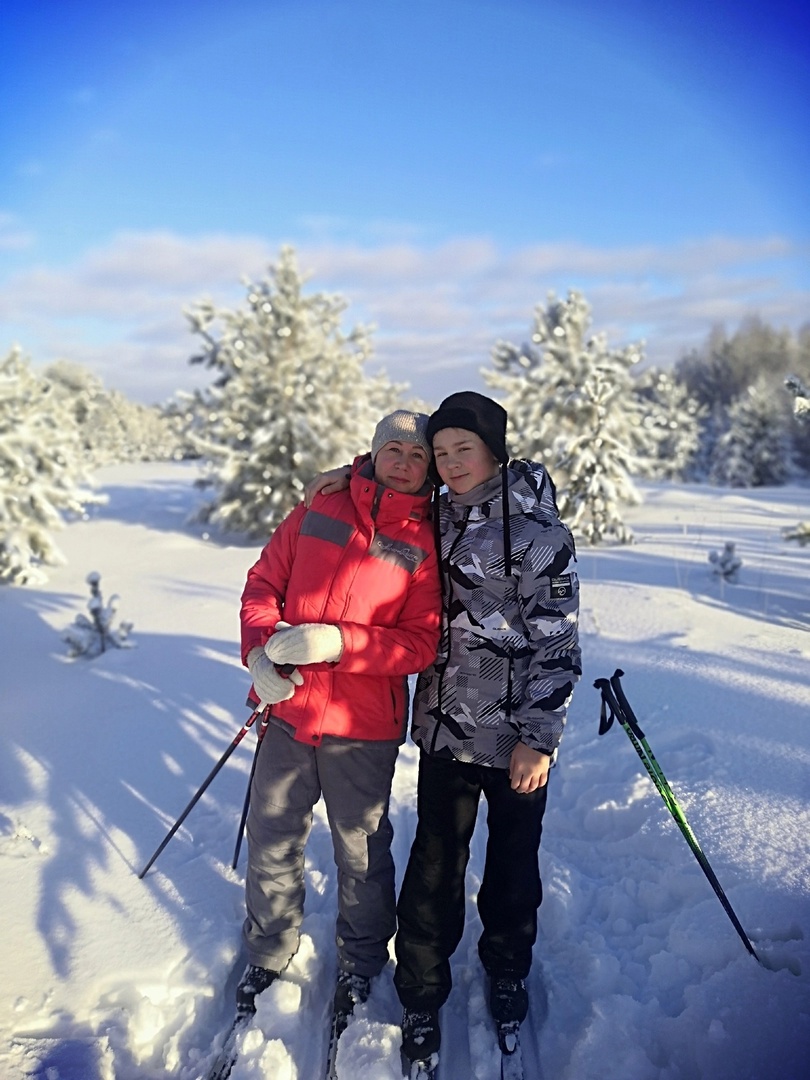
[
  {"x": 463, "y": 459},
  {"x": 402, "y": 466}
]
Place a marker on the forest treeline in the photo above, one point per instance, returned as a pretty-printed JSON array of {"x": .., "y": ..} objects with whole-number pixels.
[{"x": 291, "y": 393}]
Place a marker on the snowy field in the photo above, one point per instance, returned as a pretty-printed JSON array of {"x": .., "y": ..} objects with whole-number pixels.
[{"x": 639, "y": 974}]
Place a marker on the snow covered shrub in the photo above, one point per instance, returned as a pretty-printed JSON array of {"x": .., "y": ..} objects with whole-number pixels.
[
  {"x": 725, "y": 564},
  {"x": 572, "y": 406},
  {"x": 801, "y": 397},
  {"x": 41, "y": 471},
  {"x": 800, "y": 533},
  {"x": 290, "y": 398},
  {"x": 93, "y": 636}
]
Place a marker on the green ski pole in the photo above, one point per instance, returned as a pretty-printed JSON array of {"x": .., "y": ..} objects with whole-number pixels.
[{"x": 615, "y": 700}]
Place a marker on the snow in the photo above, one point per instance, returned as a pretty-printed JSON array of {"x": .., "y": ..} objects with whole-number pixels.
[{"x": 639, "y": 974}]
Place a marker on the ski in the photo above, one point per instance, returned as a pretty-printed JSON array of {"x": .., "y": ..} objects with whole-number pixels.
[
  {"x": 511, "y": 1057},
  {"x": 226, "y": 1058},
  {"x": 340, "y": 1021}
]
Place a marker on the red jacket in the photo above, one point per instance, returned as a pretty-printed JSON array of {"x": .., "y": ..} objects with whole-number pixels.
[{"x": 364, "y": 560}]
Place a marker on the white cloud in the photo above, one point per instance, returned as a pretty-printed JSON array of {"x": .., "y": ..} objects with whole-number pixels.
[
  {"x": 438, "y": 310},
  {"x": 13, "y": 237}
]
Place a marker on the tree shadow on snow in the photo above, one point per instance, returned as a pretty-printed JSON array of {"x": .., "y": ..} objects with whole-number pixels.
[
  {"x": 112, "y": 752},
  {"x": 167, "y": 506},
  {"x": 114, "y": 748}
]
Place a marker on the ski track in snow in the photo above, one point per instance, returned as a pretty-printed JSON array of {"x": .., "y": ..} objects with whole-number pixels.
[{"x": 638, "y": 974}]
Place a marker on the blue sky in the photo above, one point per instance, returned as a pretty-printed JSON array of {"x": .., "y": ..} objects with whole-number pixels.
[{"x": 442, "y": 165}]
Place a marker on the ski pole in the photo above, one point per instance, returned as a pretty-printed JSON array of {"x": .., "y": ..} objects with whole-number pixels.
[
  {"x": 615, "y": 700},
  {"x": 243, "y": 819},
  {"x": 237, "y": 739},
  {"x": 285, "y": 670}
]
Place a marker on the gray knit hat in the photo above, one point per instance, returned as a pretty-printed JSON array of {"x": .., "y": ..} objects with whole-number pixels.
[{"x": 404, "y": 426}]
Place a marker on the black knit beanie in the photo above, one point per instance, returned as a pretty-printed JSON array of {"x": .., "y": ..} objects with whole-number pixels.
[
  {"x": 473, "y": 412},
  {"x": 485, "y": 417}
]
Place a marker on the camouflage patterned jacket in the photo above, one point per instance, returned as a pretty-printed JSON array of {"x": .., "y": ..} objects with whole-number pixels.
[{"x": 508, "y": 656}]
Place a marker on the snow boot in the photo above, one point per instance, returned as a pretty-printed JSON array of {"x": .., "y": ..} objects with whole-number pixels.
[
  {"x": 421, "y": 1035},
  {"x": 351, "y": 990},
  {"x": 254, "y": 980},
  {"x": 508, "y": 999}
]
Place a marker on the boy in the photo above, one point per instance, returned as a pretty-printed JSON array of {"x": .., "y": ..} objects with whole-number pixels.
[{"x": 488, "y": 717}]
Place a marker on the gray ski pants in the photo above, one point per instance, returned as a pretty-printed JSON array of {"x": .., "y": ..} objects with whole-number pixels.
[{"x": 354, "y": 777}]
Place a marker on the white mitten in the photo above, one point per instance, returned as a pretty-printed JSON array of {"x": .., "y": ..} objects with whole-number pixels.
[
  {"x": 309, "y": 643},
  {"x": 271, "y": 686}
]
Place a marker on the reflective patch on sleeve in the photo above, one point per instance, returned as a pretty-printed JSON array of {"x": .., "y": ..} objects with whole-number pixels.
[{"x": 562, "y": 587}]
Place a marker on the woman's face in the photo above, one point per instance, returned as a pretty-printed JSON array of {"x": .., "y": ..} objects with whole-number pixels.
[
  {"x": 463, "y": 459},
  {"x": 402, "y": 466}
]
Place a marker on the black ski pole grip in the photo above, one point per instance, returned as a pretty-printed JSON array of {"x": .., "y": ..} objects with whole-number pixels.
[
  {"x": 624, "y": 704},
  {"x": 608, "y": 703}
]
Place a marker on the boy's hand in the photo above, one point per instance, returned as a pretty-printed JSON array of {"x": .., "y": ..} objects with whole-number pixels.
[
  {"x": 528, "y": 769},
  {"x": 327, "y": 483}
]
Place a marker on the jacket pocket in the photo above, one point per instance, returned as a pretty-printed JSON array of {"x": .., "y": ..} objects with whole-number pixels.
[{"x": 399, "y": 700}]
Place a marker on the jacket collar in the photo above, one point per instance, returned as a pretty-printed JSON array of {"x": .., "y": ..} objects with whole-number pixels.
[{"x": 390, "y": 505}]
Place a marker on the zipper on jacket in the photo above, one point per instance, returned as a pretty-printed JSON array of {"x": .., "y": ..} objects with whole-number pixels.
[
  {"x": 375, "y": 504},
  {"x": 440, "y": 687}
]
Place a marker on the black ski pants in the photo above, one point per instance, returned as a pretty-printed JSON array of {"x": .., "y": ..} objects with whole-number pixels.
[{"x": 431, "y": 904}]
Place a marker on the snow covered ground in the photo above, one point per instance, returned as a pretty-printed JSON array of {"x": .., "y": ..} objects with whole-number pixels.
[{"x": 639, "y": 974}]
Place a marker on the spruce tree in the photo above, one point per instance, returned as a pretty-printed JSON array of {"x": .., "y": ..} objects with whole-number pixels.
[
  {"x": 290, "y": 397},
  {"x": 41, "y": 471},
  {"x": 673, "y": 419},
  {"x": 755, "y": 451},
  {"x": 720, "y": 373}
]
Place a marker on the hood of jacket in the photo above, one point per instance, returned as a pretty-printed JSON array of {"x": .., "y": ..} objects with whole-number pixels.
[{"x": 529, "y": 489}]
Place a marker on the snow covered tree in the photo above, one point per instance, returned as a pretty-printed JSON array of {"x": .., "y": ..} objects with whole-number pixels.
[
  {"x": 673, "y": 419},
  {"x": 566, "y": 388},
  {"x": 541, "y": 381},
  {"x": 291, "y": 397},
  {"x": 597, "y": 466},
  {"x": 112, "y": 429},
  {"x": 755, "y": 451},
  {"x": 724, "y": 368},
  {"x": 41, "y": 471},
  {"x": 93, "y": 636},
  {"x": 720, "y": 373}
]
